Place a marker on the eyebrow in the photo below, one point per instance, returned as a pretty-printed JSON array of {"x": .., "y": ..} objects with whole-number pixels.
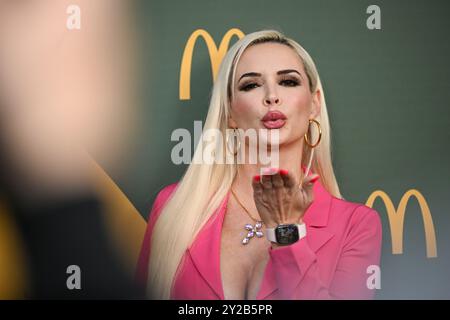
[{"x": 256, "y": 74}]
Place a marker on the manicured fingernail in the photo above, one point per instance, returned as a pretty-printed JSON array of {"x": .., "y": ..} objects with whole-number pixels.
[
  {"x": 314, "y": 179},
  {"x": 256, "y": 178},
  {"x": 283, "y": 172},
  {"x": 269, "y": 171}
]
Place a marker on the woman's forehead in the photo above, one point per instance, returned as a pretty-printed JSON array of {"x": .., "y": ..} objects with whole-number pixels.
[{"x": 267, "y": 58}]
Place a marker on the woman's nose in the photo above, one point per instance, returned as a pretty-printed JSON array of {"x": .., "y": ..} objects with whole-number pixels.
[{"x": 271, "y": 99}]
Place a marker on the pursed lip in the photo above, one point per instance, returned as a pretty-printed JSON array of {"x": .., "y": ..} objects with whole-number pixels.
[{"x": 274, "y": 120}]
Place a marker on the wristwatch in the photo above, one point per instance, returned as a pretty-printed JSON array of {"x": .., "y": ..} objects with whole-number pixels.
[{"x": 286, "y": 233}]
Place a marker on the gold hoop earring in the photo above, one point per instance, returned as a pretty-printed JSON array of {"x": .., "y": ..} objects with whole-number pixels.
[
  {"x": 320, "y": 133},
  {"x": 235, "y": 135}
]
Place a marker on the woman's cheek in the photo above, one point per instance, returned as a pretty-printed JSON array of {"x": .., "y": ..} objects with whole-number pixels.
[
  {"x": 244, "y": 113},
  {"x": 302, "y": 100}
]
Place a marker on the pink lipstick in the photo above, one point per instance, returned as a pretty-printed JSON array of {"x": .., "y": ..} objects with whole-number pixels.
[{"x": 274, "y": 120}]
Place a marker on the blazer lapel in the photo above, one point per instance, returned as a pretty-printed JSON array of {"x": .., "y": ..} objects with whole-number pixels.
[{"x": 205, "y": 251}]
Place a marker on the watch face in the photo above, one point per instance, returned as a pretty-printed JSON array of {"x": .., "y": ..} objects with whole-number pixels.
[{"x": 286, "y": 233}]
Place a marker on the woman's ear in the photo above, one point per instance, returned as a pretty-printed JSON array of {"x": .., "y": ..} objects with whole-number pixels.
[{"x": 316, "y": 103}]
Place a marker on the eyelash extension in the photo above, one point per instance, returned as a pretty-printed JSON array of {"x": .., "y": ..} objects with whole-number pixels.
[
  {"x": 250, "y": 86},
  {"x": 247, "y": 86},
  {"x": 293, "y": 82}
]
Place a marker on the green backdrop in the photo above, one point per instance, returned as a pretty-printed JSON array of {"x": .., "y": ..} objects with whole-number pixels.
[{"x": 387, "y": 93}]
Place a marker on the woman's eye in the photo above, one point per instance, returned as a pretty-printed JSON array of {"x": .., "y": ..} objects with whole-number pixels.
[
  {"x": 290, "y": 83},
  {"x": 248, "y": 87}
]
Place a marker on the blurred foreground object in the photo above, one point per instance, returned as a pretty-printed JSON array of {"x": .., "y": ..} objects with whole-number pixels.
[{"x": 66, "y": 104}]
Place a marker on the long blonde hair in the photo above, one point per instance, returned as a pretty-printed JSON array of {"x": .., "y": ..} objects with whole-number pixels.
[{"x": 185, "y": 213}]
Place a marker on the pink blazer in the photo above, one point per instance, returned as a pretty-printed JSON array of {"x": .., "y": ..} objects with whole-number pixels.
[{"x": 343, "y": 239}]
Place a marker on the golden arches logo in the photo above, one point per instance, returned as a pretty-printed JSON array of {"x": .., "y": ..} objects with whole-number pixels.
[
  {"x": 397, "y": 218},
  {"x": 215, "y": 54}
]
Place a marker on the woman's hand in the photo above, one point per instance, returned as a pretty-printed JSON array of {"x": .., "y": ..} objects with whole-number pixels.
[{"x": 280, "y": 199}]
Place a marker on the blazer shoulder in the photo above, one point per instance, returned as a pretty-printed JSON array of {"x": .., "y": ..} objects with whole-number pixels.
[
  {"x": 142, "y": 264},
  {"x": 356, "y": 212},
  {"x": 361, "y": 226},
  {"x": 166, "y": 191},
  {"x": 161, "y": 198}
]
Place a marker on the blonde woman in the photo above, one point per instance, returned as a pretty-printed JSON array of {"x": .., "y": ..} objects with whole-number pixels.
[{"x": 227, "y": 232}]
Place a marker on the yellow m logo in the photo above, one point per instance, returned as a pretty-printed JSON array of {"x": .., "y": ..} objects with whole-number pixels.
[
  {"x": 216, "y": 56},
  {"x": 397, "y": 217}
]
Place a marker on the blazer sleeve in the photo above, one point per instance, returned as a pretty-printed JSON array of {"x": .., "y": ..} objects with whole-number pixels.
[
  {"x": 144, "y": 255},
  {"x": 297, "y": 270}
]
